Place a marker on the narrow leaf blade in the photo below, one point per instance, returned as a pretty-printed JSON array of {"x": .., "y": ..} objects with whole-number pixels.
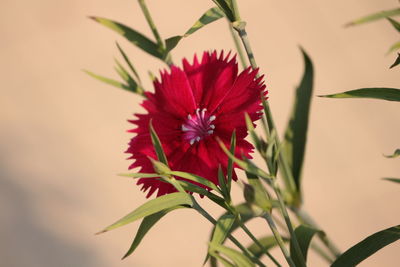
[
  {"x": 394, "y": 23},
  {"x": 394, "y": 47},
  {"x": 304, "y": 234},
  {"x": 235, "y": 256},
  {"x": 128, "y": 62},
  {"x": 296, "y": 132},
  {"x": 245, "y": 164},
  {"x": 396, "y": 62},
  {"x": 367, "y": 247},
  {"x": 133, "y": 36},
  {"x": 232, "y": 150},
  {"x": 151, "y": 207},
  {"x": 375, "y": 16},
  {"x": 208, "y": 17},
  {"x": 222, "y": 229},
  {"x": 390, "y": 94},
  {"x": 147, "y": 223},
  {"x": 157, "y": 145},
  {"x": 267, "y": 242},
  {"x": 107, "y": 80},
  {"x": 395, "y": 154},
  {"x": 395, "y": 180},
  {"x": 195, "y": 178}
]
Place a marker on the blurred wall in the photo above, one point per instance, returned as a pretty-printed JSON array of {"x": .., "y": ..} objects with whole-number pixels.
[{"x": 62, "y": 134}]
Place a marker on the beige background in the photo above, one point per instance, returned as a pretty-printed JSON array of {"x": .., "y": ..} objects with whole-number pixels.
[{"x": 62, "y": 134}]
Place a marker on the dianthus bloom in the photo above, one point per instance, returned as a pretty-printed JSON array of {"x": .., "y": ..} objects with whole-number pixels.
[{"x": 189, "y": 110}]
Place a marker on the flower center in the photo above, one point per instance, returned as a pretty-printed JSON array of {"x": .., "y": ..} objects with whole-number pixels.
[{"x": 198, "y": 126}]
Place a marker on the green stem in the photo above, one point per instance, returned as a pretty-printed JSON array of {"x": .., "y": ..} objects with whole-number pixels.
[
  {"x": 289, "y": 225},
  {"x": 255, "y": 240},
  {"x": 151, "y": 23},
  {"x": 238, "y": 47},
  {"x": 160, "y": 42},
  {"x": 279, "y": 239},
  {"x": 206, "y": 215},
  {"x": 305, "y": 218},
  {"x": 286, "y": 173}
]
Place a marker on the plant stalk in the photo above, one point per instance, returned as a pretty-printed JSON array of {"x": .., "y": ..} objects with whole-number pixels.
[
  {"x": 285, "y": 215},
  {"x": 289, "y": 181},
  {"x": 279, "y": 239},
  {"x": 150, "y": 21},
  {"x": 245, "y": 251},
  {"x": 286, "y": 173},
  {"x": 238, "y": 47},
  {"x": 255, "y": 240}
]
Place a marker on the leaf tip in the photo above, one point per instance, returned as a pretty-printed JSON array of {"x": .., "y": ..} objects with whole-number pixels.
[{"x": 101, "y": 232}]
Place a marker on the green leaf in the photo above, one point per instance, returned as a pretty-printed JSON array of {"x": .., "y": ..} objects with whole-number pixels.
[
  {"x": 295, "y": 139},
  {"x": 375, "y": 16},
  {"x": 215, "y": 256},
  {"x": 133, "y": 36},
  {"x": 188, "y": 186},
  {"x": 245, "y": 215},
  {"x": 209, "y": 16},
  {"x": 151, "y": 207},
  {"x": 123, "y": 73},
  {"x": 254, "y": 136},
  {"x": 108, "y": 81},
  {"x": 222, "y": 183},
  {"x": 238, "y": 258},
  {"x": 396, "y": 62},
  {"x": 230, "y": 161},
  {"x": 367, "y": 247},
  {"x": 147, "y": 223},
  {"x": 267, "y": 242},
  {"x": 394, "y": 47},
  {"x": 245, "y": 164},
  {"x": 157, "y": 145},
  {"x": 390, "y": 94},
  {"x": 394, "y": 23},
  {"x": 227, "y": 7},
  {"x": 222, "y": 229},
  {"x": 128, "y": 62},
  {"x": 140, "y": 175},
  {"x": 304, "y": 234},
  {"x": 195, "y": 178},
  {"x": 395, "y": 180},
  {"x": 395, "y": 154}
]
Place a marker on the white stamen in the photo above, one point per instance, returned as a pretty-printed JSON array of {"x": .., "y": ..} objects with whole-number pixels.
[
  {"x": 210, "y": 131},
  {"x": 212, "y": 118},
  {"x": 189, "y": 117},
  {"x": 198, "y": 138},
  {"x": 191, "y": 142},
  {"x": 212, "y": 126},
  {"x": 184, "y": 128}
]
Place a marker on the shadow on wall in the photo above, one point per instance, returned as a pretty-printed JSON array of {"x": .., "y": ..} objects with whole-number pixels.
[
  {"x": 22, "y": 234},
  {"x": 25, "y": 239}
]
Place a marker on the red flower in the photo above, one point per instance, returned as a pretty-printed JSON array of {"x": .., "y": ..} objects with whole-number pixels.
[{"x": 189, "y": 109}]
